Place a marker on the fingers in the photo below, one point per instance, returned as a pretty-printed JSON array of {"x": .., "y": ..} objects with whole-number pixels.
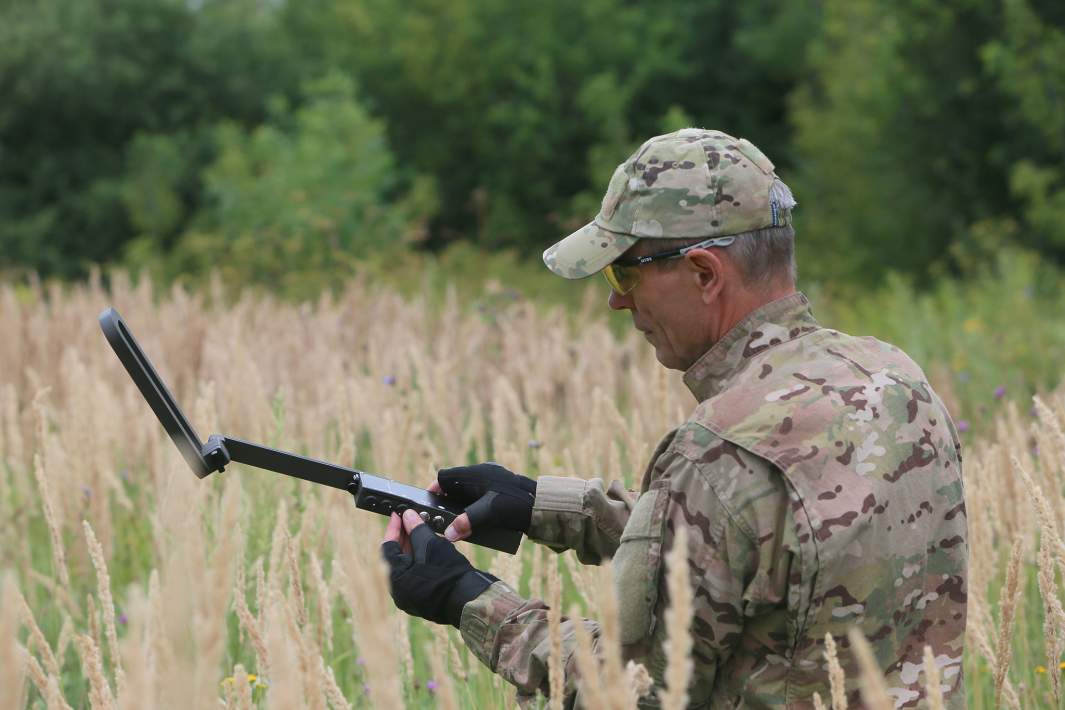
[
  {"x": 459, "y": 529},
  {"x": 394, "y": 531},
  {"x": 411, "y": 520},
  {"x": 434, "y": 487}
]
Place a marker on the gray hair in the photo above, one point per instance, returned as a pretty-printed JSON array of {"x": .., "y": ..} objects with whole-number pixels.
[{"x": 765, "y": 257}]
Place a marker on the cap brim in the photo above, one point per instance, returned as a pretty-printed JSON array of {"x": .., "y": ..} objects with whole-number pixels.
[{"x": 586, "y": 251}]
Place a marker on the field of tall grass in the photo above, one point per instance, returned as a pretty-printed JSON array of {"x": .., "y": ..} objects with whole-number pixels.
[{"x": 127, "y": 582}]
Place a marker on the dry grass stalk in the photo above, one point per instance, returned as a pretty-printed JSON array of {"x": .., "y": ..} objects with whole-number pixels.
[
  {"x": 836, "y": 678},
  {"x": 1049, "y": 545},
  {"x": 107, "y": 603},
  {"x": 555, "y": 671},
  {"x": 92, "y": 616},
  {"x": 59, "y": 555},
  {"x": 277, "y": 548},
  {"x": 139, "y": 689},
  {"x": 373, "y": 612},
  {"x": 406, "y": 653},
  {"x": 590, "y": 687},
  {"x": 100, "y": 697},
  {"x": 678, "y": 619},
  {"x": 12, "y": 655},
  {"x": 23, "y": 665},
  {"x": 285, "y": 689},
  {"x": 933, "y": 681},
  {"x": 66, "y": 635},
  {"x": 332, "y": 691},
  {"x": 36, "y": 640},
  {"x": 295, "y": 578},
  {"x": 1011, "y": 595},
  {"x": 250, "y": 625},
  {"x": 445, "y": 689},
  {"x": 609, "y": 646},
  {"x": 818, "y": 703},
  {"x": 242, "y": 699},
  {"x": 639, "y": 681},
  {"x": 871, "y": 678},
  {"x": 260, "y": 589},
  {"x": 324, "y": 605}
]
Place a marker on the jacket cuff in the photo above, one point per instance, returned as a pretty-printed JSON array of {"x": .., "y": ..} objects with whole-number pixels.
[
  {"x": 558, "y": 494},
  {"x": 483, "y": 616}
]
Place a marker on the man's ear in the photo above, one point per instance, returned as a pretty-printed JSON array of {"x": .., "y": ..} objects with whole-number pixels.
[{"x": 708, "y": 270}]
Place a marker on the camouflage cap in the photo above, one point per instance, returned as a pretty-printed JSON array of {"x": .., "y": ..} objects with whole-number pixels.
[{"x": 690, "y": 183}]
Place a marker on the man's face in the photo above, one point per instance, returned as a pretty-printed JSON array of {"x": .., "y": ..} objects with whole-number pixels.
[{"x": 667, "y": 308}]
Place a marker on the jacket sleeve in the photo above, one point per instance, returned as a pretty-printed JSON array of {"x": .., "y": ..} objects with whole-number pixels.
[
  {"x": 581, "y": 515},
  {"x": 731, "y": 577},
  {"x": 584, "y": 515},
  {"x": 511, "y": 635}
]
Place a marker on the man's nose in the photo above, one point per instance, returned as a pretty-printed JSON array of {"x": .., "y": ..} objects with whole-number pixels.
[{"x": 618, "y": 302}]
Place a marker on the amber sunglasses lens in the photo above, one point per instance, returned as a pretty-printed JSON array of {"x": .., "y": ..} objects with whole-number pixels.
[{"x": 621, "y": 278}]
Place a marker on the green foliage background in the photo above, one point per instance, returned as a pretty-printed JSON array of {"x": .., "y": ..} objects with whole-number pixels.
[{"x": 284, "y": 142}]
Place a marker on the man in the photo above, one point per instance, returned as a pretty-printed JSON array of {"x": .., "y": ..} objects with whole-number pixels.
[{"x": 819, "y": 477}]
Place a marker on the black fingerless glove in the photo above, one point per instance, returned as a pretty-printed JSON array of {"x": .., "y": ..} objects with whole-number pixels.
[
  {"x": 492, "y": 495},
  {"x": 435, "y": 581}
]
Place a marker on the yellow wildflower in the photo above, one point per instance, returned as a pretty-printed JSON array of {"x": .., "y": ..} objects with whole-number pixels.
[
  {"x": 1040, "y": 669},
  {"x": 252, "y": 677}
]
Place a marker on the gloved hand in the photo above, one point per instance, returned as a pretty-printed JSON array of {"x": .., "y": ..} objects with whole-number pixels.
[
  {"x": 492, "y": 495},
  {"x": 429, "y": 577}
]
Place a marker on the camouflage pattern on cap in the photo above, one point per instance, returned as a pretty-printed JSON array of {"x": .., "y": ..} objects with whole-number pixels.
[{"x": 687, "y": 184}]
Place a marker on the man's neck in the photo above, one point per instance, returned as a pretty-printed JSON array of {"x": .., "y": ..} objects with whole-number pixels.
[{"x": 743, "y": 303}]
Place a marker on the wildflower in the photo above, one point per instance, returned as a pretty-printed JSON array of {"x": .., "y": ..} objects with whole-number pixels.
[
  {"x": 963, "y": 425},
  {"x": 963, "y": 376},
  {"x": 431, "y": 685},
  {"x": 252, "y": 677},
  {"x": 389, "y": 380},
  {"x": 1040, "y": 669},
  {"x": 535, "y": 443},
  {"x": 1000, "y": 391},
  {"x": 86, "y": 491},
  {"x": 123, "y": 619},
  {"x": 360, "y": 661},
  {"x": 1062, "y": 665}
]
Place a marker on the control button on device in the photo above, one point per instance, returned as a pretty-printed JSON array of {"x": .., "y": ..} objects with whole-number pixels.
[
  {"x": 386, "y": 507},
  {"x": 424, "y": 516},
  {"x": 438, "y": 523},
  {"x": 400, "y": 507},
  {"x": 370, "y": 501}
]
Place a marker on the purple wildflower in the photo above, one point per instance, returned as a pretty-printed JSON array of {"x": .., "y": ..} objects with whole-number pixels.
[
  {"x": 389, "y": 380},
  {"x": 1000, "y": 392},
  {"x": 360, "y": 661},
  {"x": 430, "y": 685},
  {"x": 123, "y": 619},
  {"x": 963, "y": 425},
  {"x": 535, "y": 443},
  {"x": 86, "y": 491}
]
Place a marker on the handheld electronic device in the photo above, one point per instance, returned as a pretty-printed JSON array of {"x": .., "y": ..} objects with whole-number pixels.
[{"x": 373, "y": 493}]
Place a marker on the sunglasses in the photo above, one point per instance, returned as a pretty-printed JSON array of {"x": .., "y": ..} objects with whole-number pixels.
[{"x": 624, "y": 274}]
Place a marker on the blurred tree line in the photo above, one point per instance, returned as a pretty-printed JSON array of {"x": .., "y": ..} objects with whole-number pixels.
[{"x": 283, "y": 141}]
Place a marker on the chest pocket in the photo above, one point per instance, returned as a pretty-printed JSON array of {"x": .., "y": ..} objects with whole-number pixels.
[{"x": 638, "y": 563}]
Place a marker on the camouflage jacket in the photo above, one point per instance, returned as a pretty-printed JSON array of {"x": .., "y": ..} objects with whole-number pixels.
[{"x": 820, "y": 480}]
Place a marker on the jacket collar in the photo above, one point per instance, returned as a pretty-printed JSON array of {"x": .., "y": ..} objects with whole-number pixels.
[{"x": 774, "y": 323}]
